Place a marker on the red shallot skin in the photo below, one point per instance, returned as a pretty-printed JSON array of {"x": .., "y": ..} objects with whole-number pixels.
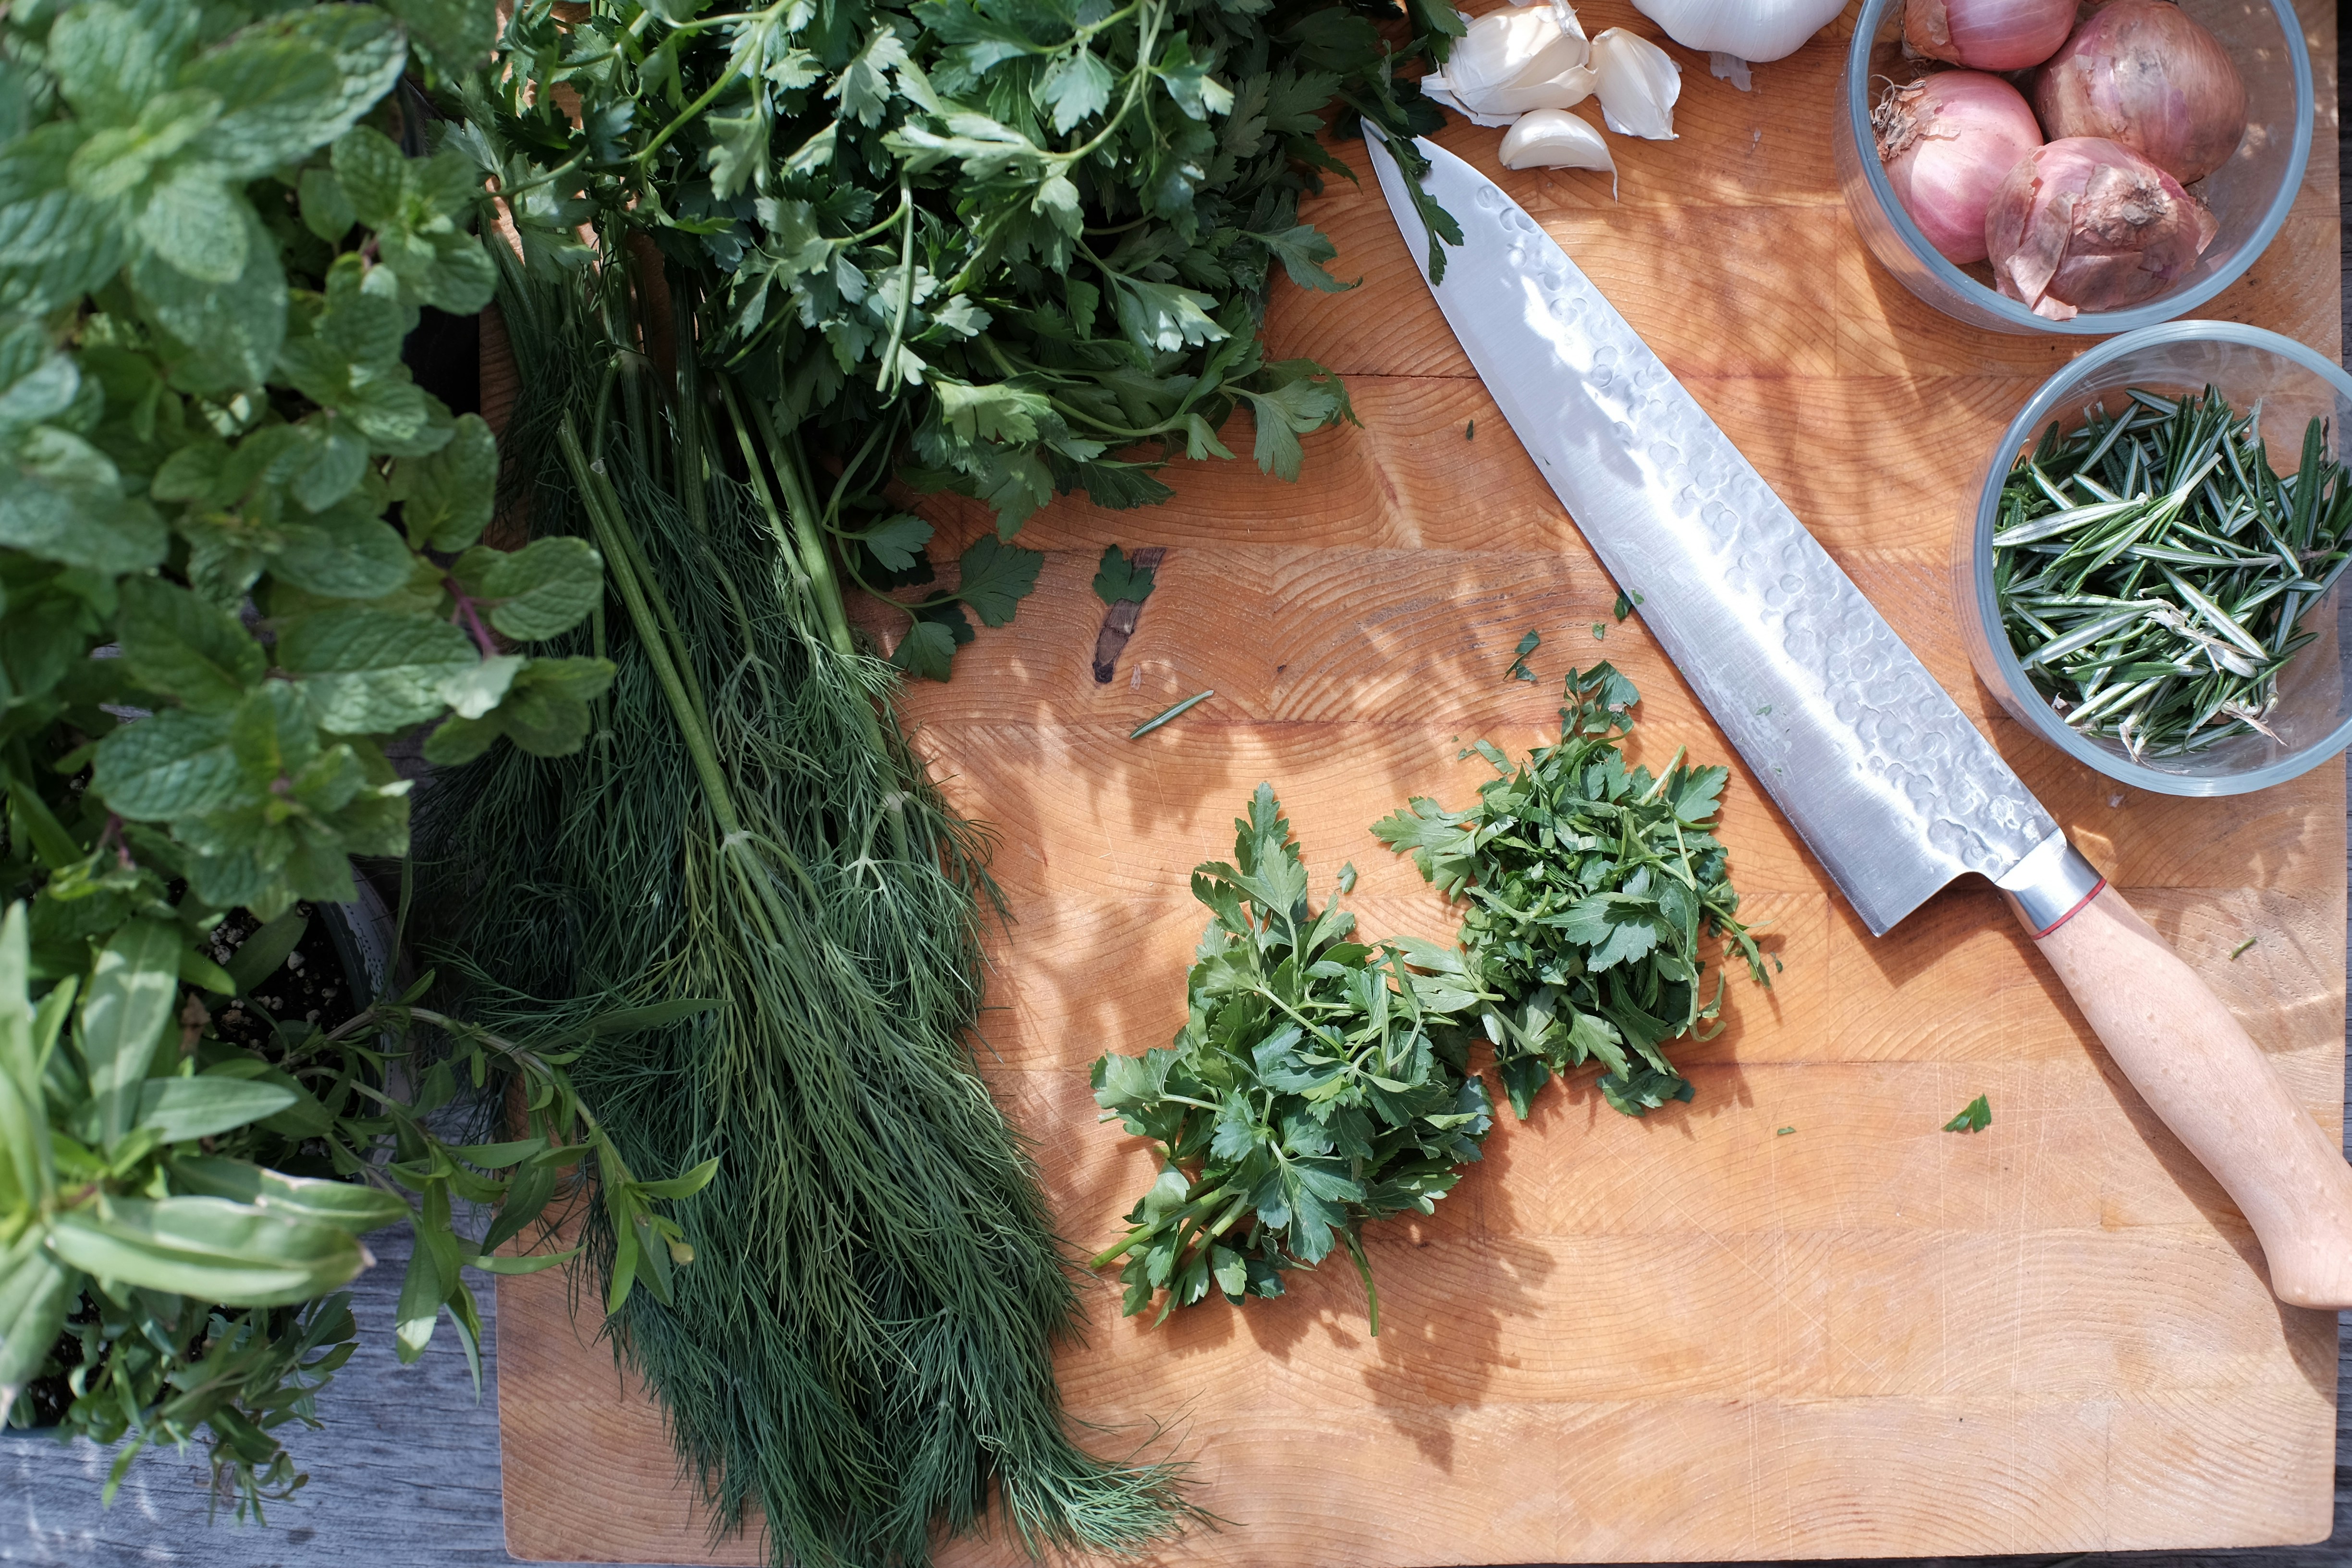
[
  {"x": 2148, "y": 75},
  {"x": 1948, "y": 142},
  {"x": 2086, "y": 223},
  {"x": 1987, "y": 35}
]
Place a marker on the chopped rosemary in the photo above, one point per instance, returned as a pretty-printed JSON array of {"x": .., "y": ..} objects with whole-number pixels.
[
  {"x": 1161, "y": 718},
  {"x": 2151, "y": 567}
]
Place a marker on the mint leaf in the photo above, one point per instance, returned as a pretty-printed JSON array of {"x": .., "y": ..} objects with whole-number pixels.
[
  {"x": 56, "y": 241},
  {"x": 223, "y": 337},
  {"x": 544, "y": 589},
  {"x": 342, "y": 554},
  {"x": 481, "y": 686},
  {"x": 181, "y": 647},
  {"x": 326, "y": 211},
  {"x": 371, "y": 672},
  {"x": 174, "y": 763},
  {"x": 295, "y": 83},
  {"x": 196, "y": 223},
  {"x": 446, "y": 497},
  {"x": 61, "y": 498},
  {"x": 544, "y": 710},
  {"x": 457, "y": 34}
]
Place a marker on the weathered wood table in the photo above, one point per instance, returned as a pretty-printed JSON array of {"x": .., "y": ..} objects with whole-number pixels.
[{"x": 409, "y": 1472}]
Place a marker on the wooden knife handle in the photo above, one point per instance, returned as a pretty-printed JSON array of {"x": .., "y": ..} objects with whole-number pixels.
[{"x": 2196, "y": 1068}]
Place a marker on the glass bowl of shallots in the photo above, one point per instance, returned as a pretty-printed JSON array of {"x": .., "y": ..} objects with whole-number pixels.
[{"x": 2048, "y": 166}]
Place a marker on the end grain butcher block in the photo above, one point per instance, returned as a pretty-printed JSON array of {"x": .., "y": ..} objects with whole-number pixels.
[{"x": 1697, "y": 1335}]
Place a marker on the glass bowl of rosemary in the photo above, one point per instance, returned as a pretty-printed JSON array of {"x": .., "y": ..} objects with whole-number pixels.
[
  {"x": 2153, "y": 576},
  {"x": 2249, "y": 195}
]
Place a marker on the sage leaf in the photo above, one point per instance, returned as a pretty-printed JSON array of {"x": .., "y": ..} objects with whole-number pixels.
[
  {"x": 208, "y": 1249},
  {"x": 134, "y": 989}
]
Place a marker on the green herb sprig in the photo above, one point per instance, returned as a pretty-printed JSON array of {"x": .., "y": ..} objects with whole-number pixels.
[
  {"x": 2151, "y": 566},
  {"x": 1311, "y": 1089},
  {"x": 1589, "y": 889},
  {"x": 976, "y": 246}
]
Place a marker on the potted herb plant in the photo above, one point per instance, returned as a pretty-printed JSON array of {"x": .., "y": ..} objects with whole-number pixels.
[{"x": 240, "y": 552}]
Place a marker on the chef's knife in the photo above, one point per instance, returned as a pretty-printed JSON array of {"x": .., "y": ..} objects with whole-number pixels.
[{"x": 1887, "y": 782}]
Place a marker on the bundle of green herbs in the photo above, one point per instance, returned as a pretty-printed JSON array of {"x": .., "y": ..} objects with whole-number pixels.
[
  {"x": 2151, "y": 566},
  {"x": 1003, "y": 249},
  {"x": 996, "y": 247},
  {"x": 1321, "y": 1081},
  {"x": 862, "y": 1351},
  {"x": 1591, "y": 890},
  {"x": 1312, "y": 1087},
  {"x": 239, "y": 554}
]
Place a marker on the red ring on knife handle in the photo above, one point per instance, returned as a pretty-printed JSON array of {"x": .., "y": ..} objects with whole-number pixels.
[{"x": 2070, "y": 914}]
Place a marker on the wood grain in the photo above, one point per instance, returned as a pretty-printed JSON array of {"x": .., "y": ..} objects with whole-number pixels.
[{"x": 1693, "y": 1337}]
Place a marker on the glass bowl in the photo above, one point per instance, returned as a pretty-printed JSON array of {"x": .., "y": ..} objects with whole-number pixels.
[
  {"x": 2249, "y": 366},
  {"x": 2250, "y": 195}
]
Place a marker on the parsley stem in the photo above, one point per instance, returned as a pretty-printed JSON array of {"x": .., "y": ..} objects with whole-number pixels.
[
  {"x": 693, "y": 111},
  {"x": 1364, "y": 1267},
  {"x": 890, "y": 377}
]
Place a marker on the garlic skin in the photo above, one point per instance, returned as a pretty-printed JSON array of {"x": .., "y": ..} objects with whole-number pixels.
[
  {"x": 1751, "y": 30},
  {"x": 1526, "y": 58},
  {"x": 1555, "y": 139},
  {"x": 1638, "y": 83}
]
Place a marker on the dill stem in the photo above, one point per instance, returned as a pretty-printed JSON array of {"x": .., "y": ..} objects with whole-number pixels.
[
  {"x": 796, "y": 528},
  {"x": 604, "y": 515}
]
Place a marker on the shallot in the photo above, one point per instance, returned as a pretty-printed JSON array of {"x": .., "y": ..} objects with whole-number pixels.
[
  {"x": 1948, "y": 142},
  {"x": 2148, "y": 75},
  {"x": 2086, "y": 223},
  {"x": 1987, "y": 35}
]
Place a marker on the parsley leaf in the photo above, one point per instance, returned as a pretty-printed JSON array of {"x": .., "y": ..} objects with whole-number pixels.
[
  {"x": 1974, "y": 1117},
  {"x": 1519, "y": 670},
  {"x": 1590, "y": 890},
  {"x": 1315, "y": 1087},
  {"x": 1120, "y": 580}
]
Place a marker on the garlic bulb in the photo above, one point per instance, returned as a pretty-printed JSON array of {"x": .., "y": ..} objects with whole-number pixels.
[
  {"x": 1512, "y": 61},
  {"x": 1746, "y": 29},
  {"x": 1638, "y": 83},
  {"x": 1555, "y": 139}
]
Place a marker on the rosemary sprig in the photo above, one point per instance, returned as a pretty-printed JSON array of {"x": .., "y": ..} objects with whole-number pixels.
[{"x": 2151, "y": 567}]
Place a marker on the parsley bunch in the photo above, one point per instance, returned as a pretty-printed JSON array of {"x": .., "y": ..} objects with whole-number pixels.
[
  {"x": 996, "y": 247},
  {"x": 1589, "y": 888},
  {"x": 1313, "y": 1085}
]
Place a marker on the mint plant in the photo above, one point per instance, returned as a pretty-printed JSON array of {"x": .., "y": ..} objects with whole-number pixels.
[{"x": 240, "y": 552}]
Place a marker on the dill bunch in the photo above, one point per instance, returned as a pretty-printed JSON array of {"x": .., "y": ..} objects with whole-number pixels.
[{"x": 863, "y": 1346}]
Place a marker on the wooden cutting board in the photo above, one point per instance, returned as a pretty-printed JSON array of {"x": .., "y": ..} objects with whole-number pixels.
[{"x": 1792, "y": 1319}]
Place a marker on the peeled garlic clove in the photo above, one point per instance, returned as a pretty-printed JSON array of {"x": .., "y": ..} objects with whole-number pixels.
[
  {"x": 1752, "y": 30},
  {"x": 1638, "y": 83},
  {"x": 1554, "y": 139},
  {"x": 1512, "y": 61}
]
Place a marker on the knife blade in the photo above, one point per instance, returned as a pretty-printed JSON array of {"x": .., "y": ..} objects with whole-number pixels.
[{"x": 1890, "y": 785}]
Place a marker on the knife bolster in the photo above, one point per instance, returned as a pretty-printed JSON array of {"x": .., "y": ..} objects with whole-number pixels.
[{"x": 2050, "y": 886}]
